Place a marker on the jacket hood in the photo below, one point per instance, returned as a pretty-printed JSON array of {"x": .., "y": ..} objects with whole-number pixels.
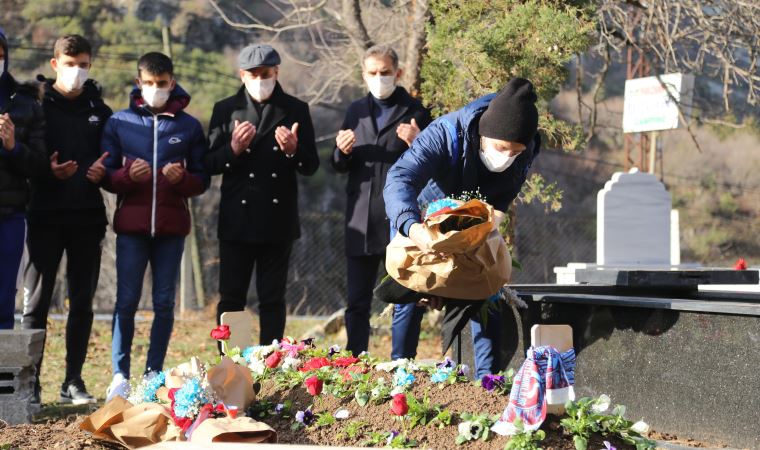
[
  {"x": 178, "y": 100},
  {"x": 91, "y": 90},
  {"x": 470, "y": 113}
]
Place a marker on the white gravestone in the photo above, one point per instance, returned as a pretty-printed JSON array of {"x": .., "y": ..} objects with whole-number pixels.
[{"x": 633, "y": 221}]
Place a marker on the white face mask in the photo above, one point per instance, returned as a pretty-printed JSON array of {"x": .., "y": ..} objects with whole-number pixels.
[
  {"x": 155, "y": 97},
  {"x": 496, "y": 160},
  {"x": 260, "y": 89},
  {"x": 72, "y": 78},
  {"x": 381, "y": 86}
]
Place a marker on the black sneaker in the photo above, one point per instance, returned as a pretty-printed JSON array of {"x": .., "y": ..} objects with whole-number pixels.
[{"x": 75, "y": 393}]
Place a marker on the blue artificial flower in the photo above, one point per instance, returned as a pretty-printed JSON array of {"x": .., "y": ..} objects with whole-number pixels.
[
  {"x": 402, "y": 377},
  {"x": 441, "y": 375},
  {"x": 152, "y": 385},
  {"x": 248, "y": 354},
  {"x": 434, "y": 207},
  {"x": 188, "y": 398}
]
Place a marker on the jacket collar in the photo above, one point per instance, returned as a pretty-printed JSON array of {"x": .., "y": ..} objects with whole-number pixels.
[
  {"x": 274, "y": 110},
  {"x": 403, "y": 103}
]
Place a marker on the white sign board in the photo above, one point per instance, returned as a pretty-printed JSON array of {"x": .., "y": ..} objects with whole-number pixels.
[{"x": 649, "y": 102}]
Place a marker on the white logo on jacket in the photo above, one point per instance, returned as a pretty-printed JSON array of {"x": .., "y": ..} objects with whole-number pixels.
[
  {"x": 94, "y": 120},
  {"x": 174, "y": 140}
]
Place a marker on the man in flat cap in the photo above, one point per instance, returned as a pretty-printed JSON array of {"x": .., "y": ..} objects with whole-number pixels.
[
  {"x": 487, "y": 146},
  {"x": 260, "y": 139}
]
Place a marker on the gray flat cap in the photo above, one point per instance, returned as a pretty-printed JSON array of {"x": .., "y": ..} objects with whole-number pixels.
[{"x": 258, "y": 55}]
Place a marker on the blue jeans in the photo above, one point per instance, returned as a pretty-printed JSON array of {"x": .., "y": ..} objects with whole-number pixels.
[
  {"x": 133, "y": 253},
  {"x": 12, "y": 230},
  {"x": 405, "y": 335}
]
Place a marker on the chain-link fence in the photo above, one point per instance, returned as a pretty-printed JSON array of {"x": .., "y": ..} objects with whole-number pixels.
[{"x": 317, "y": 280}]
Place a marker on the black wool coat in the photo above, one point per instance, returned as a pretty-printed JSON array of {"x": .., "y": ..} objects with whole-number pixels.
[
  {"x": 375, "y": 151},
  {"x": 259, "y": 202}
]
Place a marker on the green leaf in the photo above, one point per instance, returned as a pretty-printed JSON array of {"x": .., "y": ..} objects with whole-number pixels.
[
  {"x": 460, "y": 440},
  {"x": 580, "y": 442},
  {"x": 361, "y": 398}
]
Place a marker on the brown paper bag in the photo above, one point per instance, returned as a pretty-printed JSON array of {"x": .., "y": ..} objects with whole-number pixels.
[
  {"x": 470, "y": 264},
  {"x": 232, "y": 384},
  {"x": 241, "y": 429},
  {"x": 132, "y": 426}
]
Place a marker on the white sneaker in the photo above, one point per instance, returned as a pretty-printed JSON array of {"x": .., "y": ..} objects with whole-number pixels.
[{"x": 119, "y": 386}]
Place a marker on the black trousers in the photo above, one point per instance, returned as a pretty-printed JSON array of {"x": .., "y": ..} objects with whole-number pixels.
[
  {"x": 361, "y": 273},
  {"x": 237, "y": 261},
  {"x": 46, "y": 244}
]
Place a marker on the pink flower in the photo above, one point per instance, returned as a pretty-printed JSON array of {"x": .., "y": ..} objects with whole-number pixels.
[
  {"x": 273, "y": 360},
  {"x": 221, "y": 333},
  {"x": 313, "y": 385},
  {"x": 399, "y": 406}
]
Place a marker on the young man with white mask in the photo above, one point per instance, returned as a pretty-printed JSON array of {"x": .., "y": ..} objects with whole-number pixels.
[
  {"x": 66, "y": 212},
  {"x": 377, "y": 130},
  {"x": 261, "y": 139},
  {"x": 154, "y": 163},
  {"x": 487, "y": 146}
]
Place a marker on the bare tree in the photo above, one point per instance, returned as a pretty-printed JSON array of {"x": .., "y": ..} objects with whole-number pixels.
[
  {"x": 718, "y": 39},
  {"x": 328, "y": 37}
]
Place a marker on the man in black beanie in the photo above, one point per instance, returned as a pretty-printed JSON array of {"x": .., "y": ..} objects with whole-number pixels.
[{"x": 487, "y": 146}]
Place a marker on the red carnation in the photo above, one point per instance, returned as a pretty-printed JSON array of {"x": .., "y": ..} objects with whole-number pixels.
[
  {"x": 221, "y": 333},
  {"x": 314, "y": 364},
  {"x": 313, "y": 385},
  {"x": 399, "y": 406},
  {"x": 740, "y": 264},
  {"x": 345, "y": 361},
  {"x": 273, "y": 360}
]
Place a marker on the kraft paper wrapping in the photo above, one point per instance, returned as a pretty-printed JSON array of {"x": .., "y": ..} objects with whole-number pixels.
[
  {"x": 232, "y": 384},
  {"x": 471, "y": 264},
  {"x": 241, "y": 429},
  {"x": 132, "y": 426}
]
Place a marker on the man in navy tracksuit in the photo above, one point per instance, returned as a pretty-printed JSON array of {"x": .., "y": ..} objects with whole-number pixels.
[
  {"x": 489, "y": 145},
  {"x": 154, "y": 165}
]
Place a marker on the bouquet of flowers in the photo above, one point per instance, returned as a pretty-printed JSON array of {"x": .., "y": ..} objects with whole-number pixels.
[{"x": 469, "y": 258}]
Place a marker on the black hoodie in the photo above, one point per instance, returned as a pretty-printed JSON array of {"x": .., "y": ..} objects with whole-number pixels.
[
  {"x": 22, "y": 103},
  {"x": 74, "y": 128}
]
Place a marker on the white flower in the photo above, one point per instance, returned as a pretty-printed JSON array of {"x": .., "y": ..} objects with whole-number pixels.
[
  {"x": 389, "y": 366},
  {"x": 464, "y": 428},
  {"x": 397, "y": 390},
  {"x": 237, "y": 359},
  {"x": 341, "y": 414},
  {"x": 290, "y": 363},
  {"x": 470, "y": 430},
  {"x": 257, "y": 367},
  {"x": 601, "y": 404},
  {"x": 640, "y": 427}
]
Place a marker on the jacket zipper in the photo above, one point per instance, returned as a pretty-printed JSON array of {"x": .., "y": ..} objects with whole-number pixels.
[{"x": 155, "y": 177}]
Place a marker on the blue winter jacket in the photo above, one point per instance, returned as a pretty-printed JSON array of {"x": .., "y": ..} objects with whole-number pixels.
[
  {"x": 436, "y": 166},
  {"x": 154, "y": 207}
]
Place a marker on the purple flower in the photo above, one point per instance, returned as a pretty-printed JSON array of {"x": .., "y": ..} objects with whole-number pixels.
[
  {"x": 279, "y": 408},
  {"x": 446, "y": 364},
  {"x": 608, "y": 446},
  {"x": 392, "y": 436},
  {"x": 333, "y": 350},
  {"x": 308, "y": 342},
  {"x": 463, "y": 370},
  {"x": 491, "y": 382},
  {"x": 305, "y": 418}
]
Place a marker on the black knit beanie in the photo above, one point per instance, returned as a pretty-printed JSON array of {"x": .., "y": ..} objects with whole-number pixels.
[{"x": 512, "y": 114}]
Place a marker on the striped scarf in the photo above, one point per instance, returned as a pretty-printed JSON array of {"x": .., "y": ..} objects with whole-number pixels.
[{"x": 546, "y": 377}]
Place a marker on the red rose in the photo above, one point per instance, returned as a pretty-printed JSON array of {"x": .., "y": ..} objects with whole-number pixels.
[
  {"x": 740, "y": 264},
  {"x": 313, "y": 385},
  {"x": 221, "y": 333},
  {"x": 273, "y": 360},
  {"x": 345, "y": 361},
  {"x": 314, "y": 364},
  {"x": 399, "y": 406},
  {"x": 346, "y": 372}
]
